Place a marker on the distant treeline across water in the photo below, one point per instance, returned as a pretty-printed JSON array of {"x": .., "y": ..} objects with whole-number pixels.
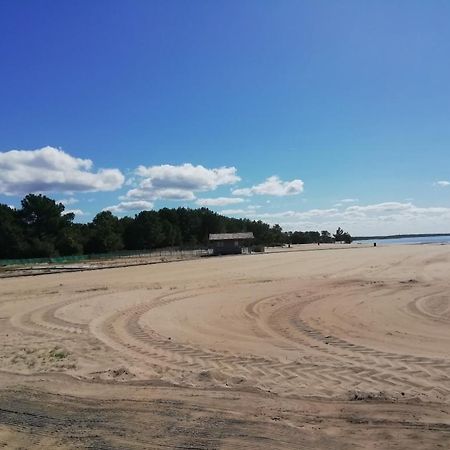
[{"x": 406, "y": 239}]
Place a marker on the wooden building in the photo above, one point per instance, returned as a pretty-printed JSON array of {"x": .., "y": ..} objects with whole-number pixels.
[{"x": 229, "y": 243}]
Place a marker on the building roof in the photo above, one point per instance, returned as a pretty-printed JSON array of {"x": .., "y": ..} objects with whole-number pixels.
[{"x": 230, "y": 236}]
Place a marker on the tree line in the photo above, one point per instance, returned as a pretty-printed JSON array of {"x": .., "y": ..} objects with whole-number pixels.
[{"x": 41, "y": 228}]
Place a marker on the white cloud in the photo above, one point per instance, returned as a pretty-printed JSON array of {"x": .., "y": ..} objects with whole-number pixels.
[
  {"x": 139, "y": 205},
  {"x": 187, "y": 176},
  {"x": 67, "y": 201},
  {"x": 147, "y": 192},
  {"x": 345, "y": 201},
  {"x": 219, "y": 201},
  {"x": 443, "y": 183},
  {"x": 272, "y": 186},
  {"x": 249, "y": 211},
  {"x": 77, "y": 212},
  {"x": 130, "y": 181},
  {"x": 51, "y": 170},
  {"x": 179, "y": 182}
]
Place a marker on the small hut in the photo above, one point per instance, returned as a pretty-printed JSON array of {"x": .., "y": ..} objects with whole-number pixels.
[{"x": 229, "y": 243}]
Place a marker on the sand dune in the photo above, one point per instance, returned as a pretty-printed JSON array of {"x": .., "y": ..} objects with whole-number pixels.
[{"x": 346, "y": 348}]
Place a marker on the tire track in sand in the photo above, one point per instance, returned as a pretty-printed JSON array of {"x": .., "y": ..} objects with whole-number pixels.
[
  {"x": 334, "y": 375},
  {"x": 415, "y": 373}
]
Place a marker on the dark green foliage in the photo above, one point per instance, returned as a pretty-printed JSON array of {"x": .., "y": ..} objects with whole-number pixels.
[
  {"x": 44, "y": 216},
  {"x": 12, "y": 239},
  {"x": 305, "y": 237},
  {"x": 347, "y": 238},
  {"x": 69, "y": 242},
  {"x": 42, "y": 229},
  {"x": 36, "y": 230},
  {"x": 105, "y": 234},
  {"x": 342, "y": 236},
  {"x": 325, "y": 237},
  {"x": 145, "y": 231}
]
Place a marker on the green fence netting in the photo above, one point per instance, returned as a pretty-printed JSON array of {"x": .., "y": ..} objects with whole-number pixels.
[{"x": 96, "y": 256}]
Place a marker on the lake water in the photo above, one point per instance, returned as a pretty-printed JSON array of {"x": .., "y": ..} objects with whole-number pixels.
[{"x": 408, "y": 240}]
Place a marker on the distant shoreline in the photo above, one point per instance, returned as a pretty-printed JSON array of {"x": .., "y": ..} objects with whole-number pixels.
[{"x": 399, "y": 236}]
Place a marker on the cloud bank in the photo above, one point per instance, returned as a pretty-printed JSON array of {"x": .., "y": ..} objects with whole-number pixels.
[
  {"x": 134, "y": 206},
  {"x": 373, "y": 219}
]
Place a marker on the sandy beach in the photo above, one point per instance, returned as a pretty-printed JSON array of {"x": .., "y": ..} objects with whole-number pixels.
[{"x": 342, "y": 348}]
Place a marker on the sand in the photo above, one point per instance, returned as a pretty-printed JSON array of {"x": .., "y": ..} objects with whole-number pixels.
[{"x": 334, "y": 348}]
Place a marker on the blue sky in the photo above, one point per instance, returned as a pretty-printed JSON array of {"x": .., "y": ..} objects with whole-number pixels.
[{"x": 339, "y": 100}]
